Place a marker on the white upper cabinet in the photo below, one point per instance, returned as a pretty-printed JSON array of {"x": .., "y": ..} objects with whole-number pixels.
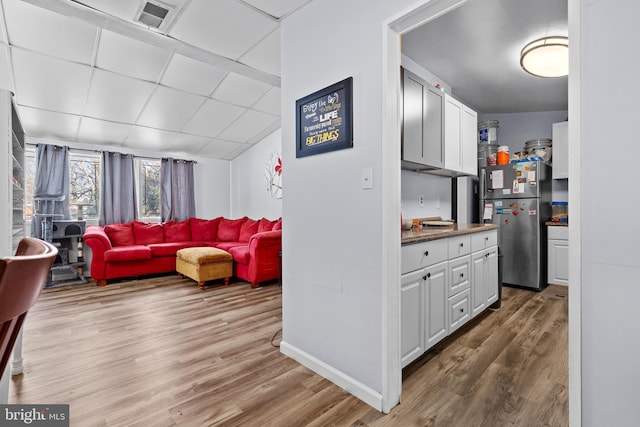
[{"x": 439, "y": 133}]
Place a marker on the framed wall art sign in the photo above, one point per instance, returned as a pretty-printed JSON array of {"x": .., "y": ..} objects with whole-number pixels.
[{"x": 324, "y": 120}]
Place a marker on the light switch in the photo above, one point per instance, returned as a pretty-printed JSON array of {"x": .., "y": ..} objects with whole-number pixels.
[{"x": 367, "y": 178}]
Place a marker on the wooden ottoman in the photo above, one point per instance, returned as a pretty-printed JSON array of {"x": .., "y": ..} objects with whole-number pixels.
[{"x": 204, "y": 263}]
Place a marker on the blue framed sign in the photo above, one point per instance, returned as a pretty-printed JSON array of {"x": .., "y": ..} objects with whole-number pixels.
[{"x": 324, "y": 120}]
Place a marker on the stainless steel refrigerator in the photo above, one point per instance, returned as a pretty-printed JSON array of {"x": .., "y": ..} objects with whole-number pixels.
[{"x": 517, "y": 197}]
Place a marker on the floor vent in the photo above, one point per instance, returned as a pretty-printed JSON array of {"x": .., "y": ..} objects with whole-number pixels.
[{"x": 152, "y": 14}]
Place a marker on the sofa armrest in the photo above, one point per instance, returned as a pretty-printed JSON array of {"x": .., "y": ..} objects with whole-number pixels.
[
  {"x": 264, "y": 255},
  {"x": 95, "y": 237}
]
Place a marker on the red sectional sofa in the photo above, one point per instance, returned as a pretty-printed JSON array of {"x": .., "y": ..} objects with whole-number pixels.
[{"x": 139, "y": 248}]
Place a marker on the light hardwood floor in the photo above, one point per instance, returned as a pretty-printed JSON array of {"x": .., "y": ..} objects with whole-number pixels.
[{"x": 160, "y": 352}]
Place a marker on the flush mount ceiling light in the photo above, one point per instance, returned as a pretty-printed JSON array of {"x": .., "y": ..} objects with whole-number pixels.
[{"x": 546, "y": 57}]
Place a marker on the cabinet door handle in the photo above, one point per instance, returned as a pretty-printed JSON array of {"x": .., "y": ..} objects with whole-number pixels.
[
  {"x": 461, "y": 274},
  {"x": 461, "y": 245},
  {"x": 462, "y": 310},
  {"x": 486, "y": 239},
  {"x": 426, "y": 253},
  {"x": 428, "y": 275}
]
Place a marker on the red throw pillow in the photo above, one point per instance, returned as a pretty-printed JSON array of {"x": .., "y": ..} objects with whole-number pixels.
[
  {"x": 177, "y": 231},
  {"x": 277, "y": 225},
  {"x": 248, "y": 229},
  {"x": 205, "y": 230},
  {"x": 229, "y": 229},
  {"x": 264, "y": 225},
  {"x": 148, "y": 232},
  {"x": 120, "y": 234}
]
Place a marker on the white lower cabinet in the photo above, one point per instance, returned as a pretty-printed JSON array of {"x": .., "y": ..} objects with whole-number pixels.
[
  {"x": 558, "y": 255},
  {"x": 439, "y": 283},
  {"x": 435, "y": 291},
  {"x": 485, "y": 279}
]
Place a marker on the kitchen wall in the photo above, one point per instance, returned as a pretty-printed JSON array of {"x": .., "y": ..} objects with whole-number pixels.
[
  {"x": 435, "y": 191},
  {"x": 249, "y": 193},
  {"x": 517, "y": 128}
]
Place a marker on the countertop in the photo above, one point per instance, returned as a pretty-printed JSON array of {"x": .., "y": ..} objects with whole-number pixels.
[
  {"x": 438, "y": 232},
  {"x": 557, "y": 224}
]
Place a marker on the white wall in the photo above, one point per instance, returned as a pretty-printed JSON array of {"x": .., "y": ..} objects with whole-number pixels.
[
  {"x": 333, "y": 257},
  {"x": 610, "y": 264},
  {"x": 249, "y": 193},
  {"x": 436, "y": 191}
]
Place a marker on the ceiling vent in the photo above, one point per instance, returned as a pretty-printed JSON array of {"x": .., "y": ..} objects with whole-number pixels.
[{"x": 153, "y": 14}]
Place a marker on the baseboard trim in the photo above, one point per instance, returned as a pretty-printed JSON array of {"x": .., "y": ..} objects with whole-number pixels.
[{"x": 344, "y": 381}]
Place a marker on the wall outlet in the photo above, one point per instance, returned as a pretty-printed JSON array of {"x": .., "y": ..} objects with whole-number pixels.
[{"x": 421, "y": 200}]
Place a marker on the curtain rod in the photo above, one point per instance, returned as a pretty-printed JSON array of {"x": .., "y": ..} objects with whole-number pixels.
[{"x": 86, "y": 150}]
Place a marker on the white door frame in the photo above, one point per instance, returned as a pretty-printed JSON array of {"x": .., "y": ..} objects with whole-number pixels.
[{"x": 416, "y": 15}]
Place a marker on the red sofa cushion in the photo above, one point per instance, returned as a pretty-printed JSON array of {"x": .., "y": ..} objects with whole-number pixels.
[
  {"x": 229, "y": 229},
  {"x": 204, "y": 229},
  {"x": 225, "y": 246},
  {"x": 148, "y": 232},
  {"x": 168, "y": 249},
  {"x": 120, "y": 234},
  {"x": 265, "y": 225},
  {"x": 249, "y": 228},
  {"x": 277, "y": 225},
  {"x": 127, "y": 253},
  {"x": 177, "y": 231},
  {"x": 240, "y": 254}
]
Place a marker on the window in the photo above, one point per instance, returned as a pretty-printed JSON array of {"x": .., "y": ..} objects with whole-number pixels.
[
  {"x": 84, "y": 185},
  {"x": 148, "y": 179}
]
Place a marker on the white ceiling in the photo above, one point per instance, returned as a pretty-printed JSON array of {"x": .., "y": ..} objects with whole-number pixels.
[
  {"x": 206, "y": 85},
  {"x": 209, "y": 83},
  {"x": 476, "y": 50}
]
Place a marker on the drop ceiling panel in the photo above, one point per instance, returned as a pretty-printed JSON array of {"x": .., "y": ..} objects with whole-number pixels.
[
  {"x": 212, "y": 118},
  {"x": 270, "y": 102},
  {"x": 247, "y": 126},
  {"x": 225, "y": 27},
  {"x": 47, "y": 124},
  {"x": 102, "y": 132},
  {"x": 265, "y": 55},
  {"x": 192, "y": 76},
  {"x": 48, "y": 83},
  {"x": 277, "y": 8},
  {"x": 131, "y": 57},
  {"x": 117, "y": 98},
  {"x": 147, "y": 138},
  {"x": 169, "y": 109},
  {"x": 240, "y": 90},
  {"x": 123, "y": 9},
  {"x": 184, "y": 143},
  {"x": 219, "y": 149},
  {"x": 38, "y": 29}
]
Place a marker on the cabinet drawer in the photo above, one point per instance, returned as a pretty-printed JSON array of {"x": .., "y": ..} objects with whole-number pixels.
[
  {"x": 558, "y": 232},
  {"x": 459, "y": 310},
  {"x": 480, "y": 241},
  {"x": 459, "y": 275},
  {"x": 459, "y": 246},
  {"x": 423, "y": 254}
]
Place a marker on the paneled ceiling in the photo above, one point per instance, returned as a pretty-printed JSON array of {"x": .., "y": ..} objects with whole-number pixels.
[
  {"x": 206, "y": 83},
  {"x": 476, "y": 50}
]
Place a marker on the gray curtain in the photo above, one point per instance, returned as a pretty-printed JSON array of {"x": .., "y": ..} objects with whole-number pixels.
[
  {"x": 50, "y": 189},
  {"x": 118, "y": 189},
  {"x": 177, "y": 201}
]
